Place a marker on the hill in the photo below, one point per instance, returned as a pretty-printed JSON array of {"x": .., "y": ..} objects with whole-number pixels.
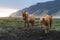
[{"x": 50, "y": 7}]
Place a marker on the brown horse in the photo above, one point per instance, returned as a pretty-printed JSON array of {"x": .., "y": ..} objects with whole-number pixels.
[
  {"x": 28, "y": 18},
  {"x": 46, "y": 22}
]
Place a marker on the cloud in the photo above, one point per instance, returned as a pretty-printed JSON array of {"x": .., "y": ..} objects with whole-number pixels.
[{"x": 5, "y": 12}]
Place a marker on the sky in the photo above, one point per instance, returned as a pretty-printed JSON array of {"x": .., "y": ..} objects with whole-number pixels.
[
  {"x": 20, "y": 4},
  {"x": 5, "y": 12},
  {"x": 16, "y": 5}
]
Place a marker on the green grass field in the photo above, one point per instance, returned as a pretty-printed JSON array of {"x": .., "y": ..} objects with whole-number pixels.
[
  {"x": 8, "y": 24},
  {"x": 13, "y": 29}
]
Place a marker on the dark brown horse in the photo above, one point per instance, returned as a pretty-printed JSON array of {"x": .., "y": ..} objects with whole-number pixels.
[
  {"x": 28, "y": 18},
  {"x": 46, "y": 22}
]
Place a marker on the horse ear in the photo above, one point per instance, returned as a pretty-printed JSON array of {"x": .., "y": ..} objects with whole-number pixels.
[
  {"x": 26, "y": 12},
  {"x": 51, "y": 16},
  {"x": 23, "y": 12},
  {"x": 46, "y": 13}
]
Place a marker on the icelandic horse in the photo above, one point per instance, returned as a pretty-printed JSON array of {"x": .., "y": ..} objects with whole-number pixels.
[
  {"x": 46, "y": 22},
  {"x": 28, "y": 18}
]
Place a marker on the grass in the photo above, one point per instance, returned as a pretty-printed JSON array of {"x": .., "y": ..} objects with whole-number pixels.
[
  {"x": 10, "y": 24},
  {"x": 56, "y": 24}
]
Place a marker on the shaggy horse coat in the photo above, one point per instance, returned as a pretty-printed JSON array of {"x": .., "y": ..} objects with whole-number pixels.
[
  {"x": 46, "y": 22},
  {"x": 28, "y": 18}
]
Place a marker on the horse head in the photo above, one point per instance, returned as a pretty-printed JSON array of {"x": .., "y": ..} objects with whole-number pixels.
[{"x": 24, "y": 14}]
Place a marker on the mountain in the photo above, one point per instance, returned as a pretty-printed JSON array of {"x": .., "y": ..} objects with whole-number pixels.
[
  {"x": 16, "y": 14},
  {"x": 50, "y": 7}
]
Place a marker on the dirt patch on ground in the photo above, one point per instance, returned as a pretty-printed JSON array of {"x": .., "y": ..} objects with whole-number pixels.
[{"x": 36, "y": 34}]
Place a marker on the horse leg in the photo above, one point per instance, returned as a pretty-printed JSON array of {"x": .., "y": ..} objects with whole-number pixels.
[
  {"x": 50, "y": 24},
  {"x": 32, "y": 23},
  {"x": 25, "y": 25},
  {"x": 28, "y": 24},
  {"x": 41, "y": 25},
  {"x": 46, "y": 30},
  {"x": 47, "y": 27}
]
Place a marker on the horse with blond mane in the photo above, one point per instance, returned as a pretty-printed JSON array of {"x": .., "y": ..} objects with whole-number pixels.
[
  {"x": 28, "y": 18},
  {"x": 46, "y": 22}
]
